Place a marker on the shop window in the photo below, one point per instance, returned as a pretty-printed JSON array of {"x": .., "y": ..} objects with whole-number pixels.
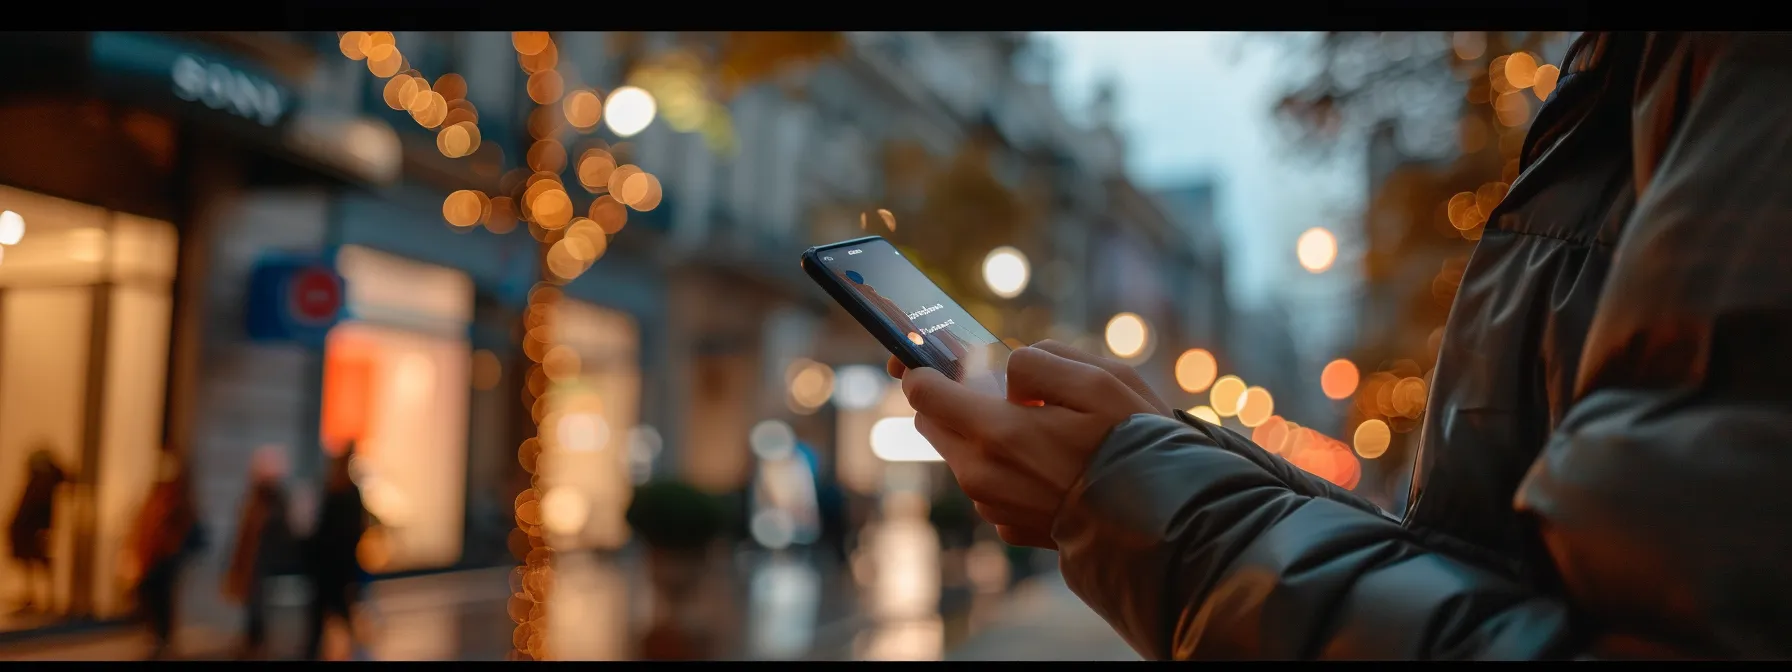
[
  {"x": 593, "y": 404},
  {"x": 397, "y": 377},
  {"x": 84, "y": 326}
]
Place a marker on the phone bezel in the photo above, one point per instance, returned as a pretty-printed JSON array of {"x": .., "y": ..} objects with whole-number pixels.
[{"x": 855, "y": 305}]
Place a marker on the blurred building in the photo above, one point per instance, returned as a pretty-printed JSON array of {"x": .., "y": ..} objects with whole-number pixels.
[
  {"x": 1200, "y": 286},
  {"x": 131, "y": 159}
]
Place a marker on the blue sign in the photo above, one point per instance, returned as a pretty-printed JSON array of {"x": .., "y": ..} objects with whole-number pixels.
[{"x": 294, "y": 299}]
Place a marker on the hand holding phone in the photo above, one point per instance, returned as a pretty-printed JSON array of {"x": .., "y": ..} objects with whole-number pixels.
[{"x": 910, "y": 315}]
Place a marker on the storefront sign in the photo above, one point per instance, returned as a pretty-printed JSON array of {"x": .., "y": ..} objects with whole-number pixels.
[
  {"x": 221, "y": 87},
  {"x": 293, "y": 298},
  {"x": 314, "y": 296},
  {"x": 151, "y": 66}
]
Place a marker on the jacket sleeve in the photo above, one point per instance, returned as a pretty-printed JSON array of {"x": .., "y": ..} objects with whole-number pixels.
[
  {"x": 1660, "y": 496},
  {"x": 1192, "y": 550},
  {"x": 1296, "y": 478}
]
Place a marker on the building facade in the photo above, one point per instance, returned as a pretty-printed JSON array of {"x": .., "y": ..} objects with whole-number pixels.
[{"x": 123, "y": 164}]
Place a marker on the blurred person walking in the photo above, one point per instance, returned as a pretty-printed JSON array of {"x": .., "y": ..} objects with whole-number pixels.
[
  {"x": 264, "y": 547},
  {"x": 1601, "y": 467},
  {"x": 29, "y": 533},
  {"x": 330, "y": 560},
  {"x": 166, "y": 533}
]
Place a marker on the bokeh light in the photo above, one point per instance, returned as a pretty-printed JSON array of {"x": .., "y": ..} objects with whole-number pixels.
[
  {"x": 487, "y": 370},
  {"x": 1338, "y": 380},
  {"x": 1005, "y": 271},
  {"x": 1127, "y": 335},
  {"x": 1255, "y": 406},
  {"x": 529, "y": 42},
  {"x": 811, "y": 384},
  {"x": 1521, "y": 70},
  {"x": 859, "y": 386},
  {"x": 464, "y": 208},
  {"x": 895, "y": 439},
  {"x": 1196, "y": 370},
  {"x": 629, "y": 110},
  {"x": 1225, "y": 395},
  {"x": 1206, "y": 414},
  {"x": 12, "y": 227},
  {"x": 772, "y": 440},
  {"x": 1372, "y": 438},
  {"x": 583, "y": 109},
  {"x": 546, "y": 87},
  {"x": 1547, "y": 76},
  {"x": 1316, "y": 249},
  {"x": 352, "y": 43},
  {"x": 452, "y": 86}
]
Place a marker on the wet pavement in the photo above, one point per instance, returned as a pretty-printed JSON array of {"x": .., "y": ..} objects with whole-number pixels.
[
  {"x": 767, "y": 606},
  {"x": 1042, "y": 620}
]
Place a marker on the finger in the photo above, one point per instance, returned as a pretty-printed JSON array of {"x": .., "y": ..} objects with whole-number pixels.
[
  {"x": 1125, "y": 373},
  {"x": 949, "y": 444},
  {"x": 1035, "y": 374},
  {"x": 1020, "y": 536},
  {"x": 971, "y": 414},
  {"x": 1002, "y": 515},
  {"x": 895, "y": 367}
]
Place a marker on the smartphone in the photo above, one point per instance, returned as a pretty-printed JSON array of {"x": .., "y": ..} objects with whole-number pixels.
[{"x": 912, "y": 317}]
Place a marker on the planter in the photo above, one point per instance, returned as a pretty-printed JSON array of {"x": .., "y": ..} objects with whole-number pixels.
[{"x": 678, "y": 525}]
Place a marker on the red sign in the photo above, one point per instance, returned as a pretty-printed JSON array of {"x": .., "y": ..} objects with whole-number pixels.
[{"x": 314, "y": 295}]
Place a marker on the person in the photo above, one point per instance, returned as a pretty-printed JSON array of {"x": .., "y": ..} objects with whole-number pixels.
[
  {"x": 263, "y": 545},
  {"x": 165, "y": 534},
  {"x": 1601, "y": 469},
  {"x": 331, "y": 562},
  {"x": 29, "y": 533}
]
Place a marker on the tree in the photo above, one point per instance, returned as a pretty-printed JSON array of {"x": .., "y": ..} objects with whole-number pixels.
[{"x": 1440, "y": 119}]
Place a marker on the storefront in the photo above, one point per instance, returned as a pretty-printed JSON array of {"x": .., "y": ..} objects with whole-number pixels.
[
  {"x": 125, "y": 153},
  {"x": 591, "y": 411},
  {"x": 85, "y": 304},
  {"x": 395, "y": 388},
  {"x": 424, "y": 375},
  {"x": 603, "y": 424}
]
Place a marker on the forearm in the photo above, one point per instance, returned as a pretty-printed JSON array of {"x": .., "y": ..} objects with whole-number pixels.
[{"x": 1190, "y": 550}]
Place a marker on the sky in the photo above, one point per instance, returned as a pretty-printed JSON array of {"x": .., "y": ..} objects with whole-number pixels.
[{"x": 1192, "y": 105}]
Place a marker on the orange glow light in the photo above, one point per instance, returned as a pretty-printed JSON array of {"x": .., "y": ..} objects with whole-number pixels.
[
  {"x": 1339, "y": 379},
  {"x": 348, "y": 398}
]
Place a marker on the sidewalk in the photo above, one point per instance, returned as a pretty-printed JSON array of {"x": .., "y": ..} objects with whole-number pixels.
[
  {"x": 779, "y": 607},
  {"x": 463, "y": 616},
  {"x": 1044, "y": 621},
  {"x": 438, "y": 617}
]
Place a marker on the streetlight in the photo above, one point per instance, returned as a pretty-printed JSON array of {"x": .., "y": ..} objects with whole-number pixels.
[
  {"x": 1317, "y": 248},
  {"x": 629, "y": 110},
  {"x": 1006, "y": 272}
]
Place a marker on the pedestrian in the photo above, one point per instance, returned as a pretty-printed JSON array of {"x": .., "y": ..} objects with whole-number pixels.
[
  {"x": 166, "y": 533},
  {"x": 1602, "y": 461},
  {"x": 263, "y": 547},
  {"x": 29, "y": 533},
  {"x": 330, "y": 557}
]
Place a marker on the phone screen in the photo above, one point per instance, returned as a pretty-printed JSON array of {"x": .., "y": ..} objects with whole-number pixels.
[{"x": 940, "y": 332}]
